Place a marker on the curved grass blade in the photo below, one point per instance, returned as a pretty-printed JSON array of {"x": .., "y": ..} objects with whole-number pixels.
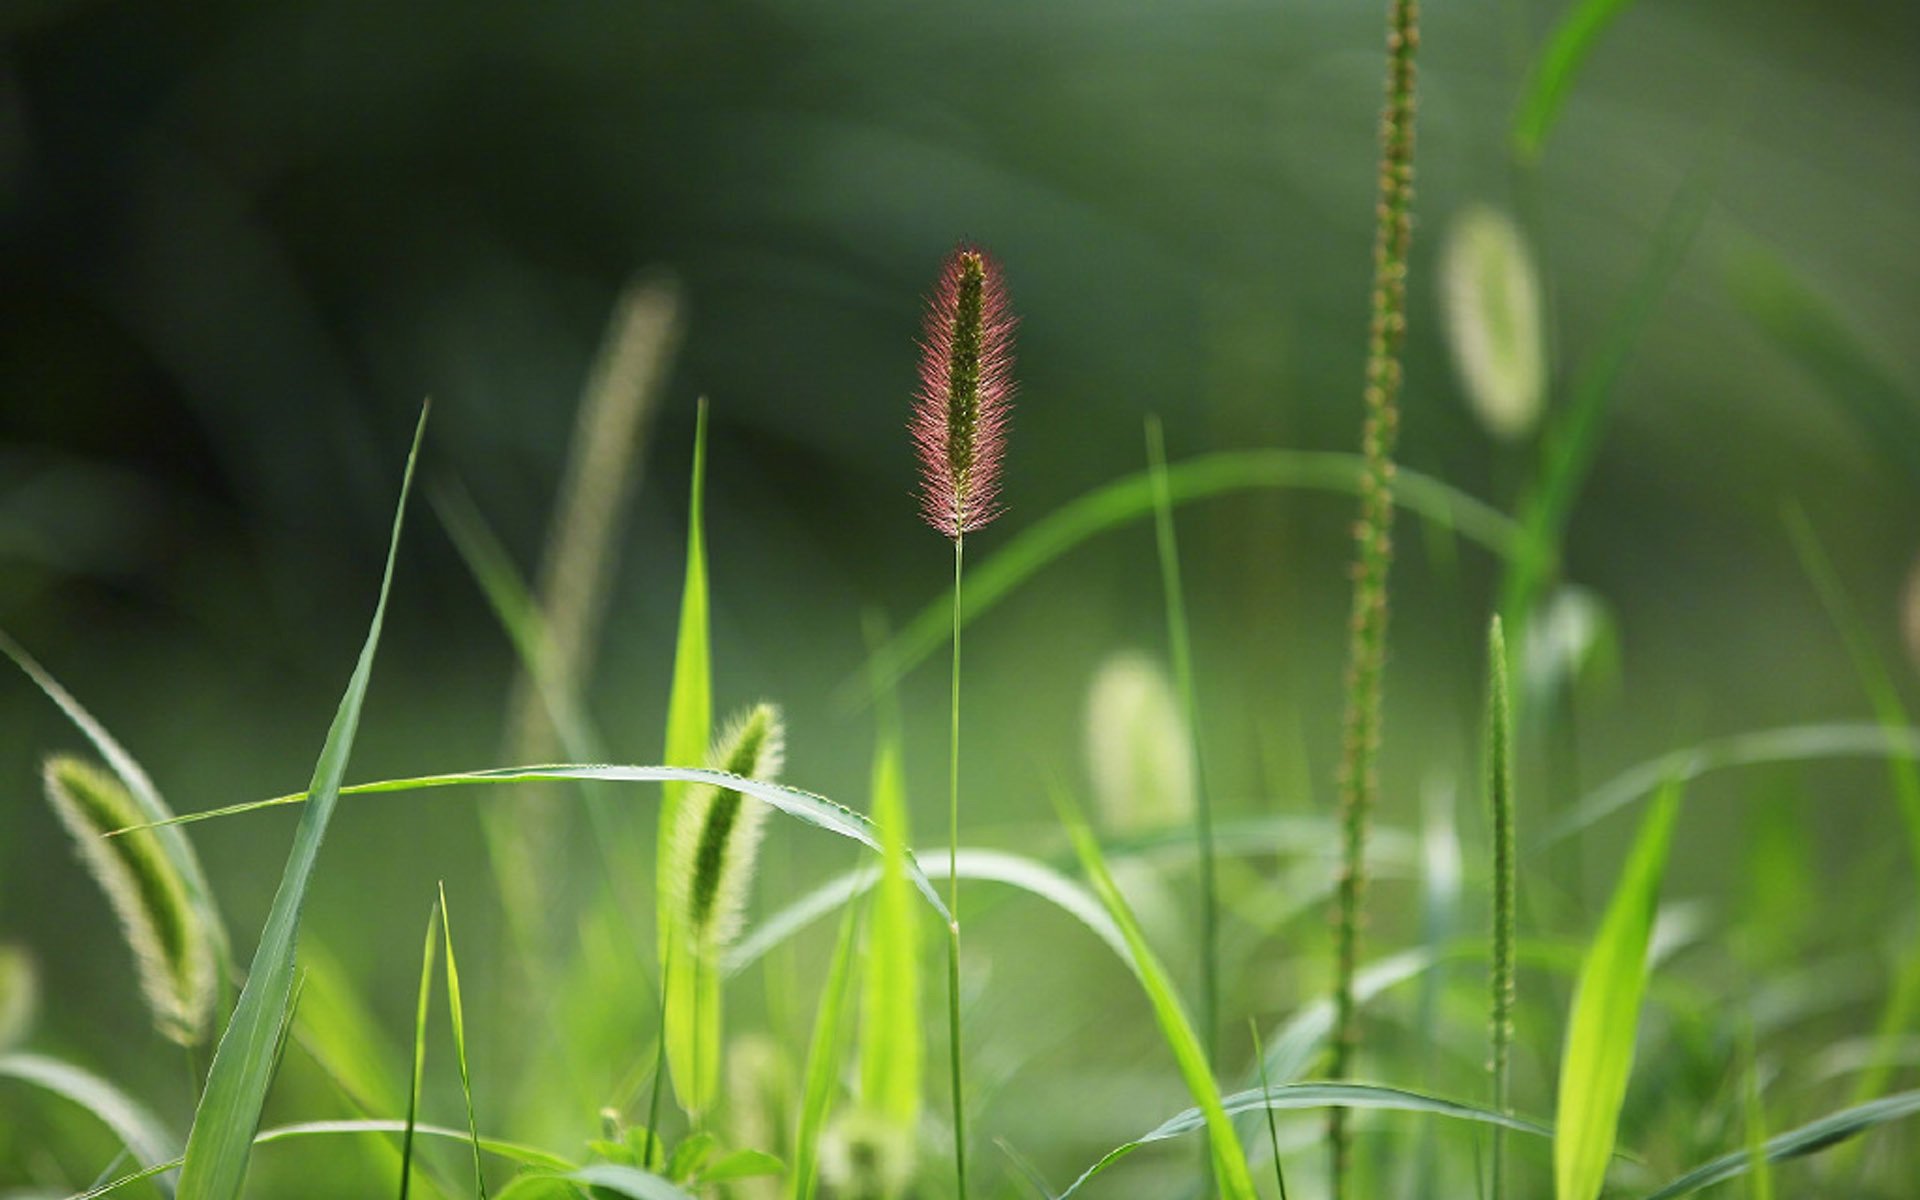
[
  {"x": 689, "y": 730},
  {"x": 1793, "y": 743},
  {"x": 1288, "y": 1096},
  {"x": 229, "y": 1111},
  {"x": 139, "y": 785},
  {"x": 1606, "y": 1013},
  {"x": 627, "y": 1181},
  {"x": 427, "y": 956},
  {"x": 526, "y": 1156},
  {"x": 823, "y": 1060},
  {"x": 989, "y": 866},
  {"x": 813, "y": 809},
  {"x": 138, "y": 1129},
  {"x": 457, "y": 1012},
  {"x": 1131, "y": 498},
  {"x": 1552, "y": 75},
  {"x": 1830, "y": 1130},
  {"x": 1229, "y": 1159}
]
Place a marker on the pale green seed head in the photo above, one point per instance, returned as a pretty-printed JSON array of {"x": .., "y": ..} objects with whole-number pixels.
[
  {"x": 716, "y": 838},
  {"x": 171, "y": 946},
  {"x": 19, "y": 995},
  {"x": 1491, "y": 295},
  {"x": 1138, "y": 754},
  {"x": 866, "y": 1156}
]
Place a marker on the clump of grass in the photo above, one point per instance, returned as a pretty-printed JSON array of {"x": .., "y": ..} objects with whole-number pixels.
[
  {"x": 1373, "y": 535},
  {"x": 171, "y": 949}
]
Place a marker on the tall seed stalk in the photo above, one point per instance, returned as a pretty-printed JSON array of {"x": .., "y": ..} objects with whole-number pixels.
[
  {"x": 1366, "y": 652},
  {"x": 959, "y": 426}
]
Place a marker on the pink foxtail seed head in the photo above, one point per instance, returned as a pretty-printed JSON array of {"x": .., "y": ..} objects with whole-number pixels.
[{"x": 960, "y": 413}]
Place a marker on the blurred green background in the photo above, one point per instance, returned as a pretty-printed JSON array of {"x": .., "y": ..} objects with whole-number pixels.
[{"x": 240, "y": 241}]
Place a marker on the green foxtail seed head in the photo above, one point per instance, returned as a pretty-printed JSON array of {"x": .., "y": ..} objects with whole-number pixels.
[
  {"x": 866, "y": 1156},
  {"x": 171, "y": 949},
  {"x": 1491, "y": 295},
  {"x": 1138, "y": 754},
  {"x": 19, "y": 995},
  {"x": 717, "y": 835}
]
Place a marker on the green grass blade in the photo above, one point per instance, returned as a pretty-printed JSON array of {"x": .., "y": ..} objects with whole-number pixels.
[
  {"x": 178, "y": 849},
  {"x": 1756, "y": 1119},
  {"x": 1131, "y": 498},
  {"x": 813, "y": 809},
  {"x": 689, "y": 730},
  {"x": 425, "y": 999},
  {"x": 1789, "y": 744},
  {"x": 1298, "y": 1096},
  {"x": 236, "y": 1090},
  {"x": 1552, "y": 74},
  {"x": 891, "y": 1042},
  {"x": 989, "y": 866},
  {"x": 1811, "y": 1138},
  {"x": 1598, "y": 1056},
  {"x": 1229, "y": 1159},
  {"x": 145, "y": 1138},
  {"x": 457, "y": 1012},
  {"x": 627, "y": 1181},
  {"x": 823, "y": 1060},
  {"x": 1273, "y": 1130},
  {"x": 1180, "y": 647},
  {"x": 526, "y": 1156}
]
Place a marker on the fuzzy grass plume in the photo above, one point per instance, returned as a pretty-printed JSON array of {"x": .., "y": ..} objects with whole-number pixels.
[
  {"x": 1492, "y": 302},
  {"x": 961, "y": 411},
  {"x": 1138, "y": 753},
  {"x": 171, "y": 948},
  {"x": 1373, "y": 536},
  {"x": 717, "y": 837}
]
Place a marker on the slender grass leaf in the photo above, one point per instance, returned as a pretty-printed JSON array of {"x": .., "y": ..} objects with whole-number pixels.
[
  {"x": 1789, "y": 744},
  {"x": 425, "y": 999},
  {"x": 1811, "y": 1138},
  {"x": 1598, "y": 1055},
  {"x": 627, "y": 1181},
  {"x": 813, "y": 809},
  {"x": 457, "y": 1011},
  {"x": 229, "y": 1111},
  {"x": 527, "y": 1156},
  {"x": 823, "y": 1060},
  {"x": 1552, "y": 75},
  {"x": 145, "y": 1138},
  {"x": 1229, "y": 1160},
  {"x": 689, "y": 730},
  {"x": 1285, "y": 1097},
  {"x": 891, "y": 1040},
  {"x": 1131, "y": 498}
]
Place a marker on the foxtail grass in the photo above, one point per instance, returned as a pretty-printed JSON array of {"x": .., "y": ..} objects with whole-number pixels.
[
  {"x": 172, "y": 951},
  {"x": 1373, "y": 535}
]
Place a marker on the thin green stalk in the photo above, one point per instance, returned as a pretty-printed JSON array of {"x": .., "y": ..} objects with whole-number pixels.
[
  {"x": 1500, "y": 802},
  {"x": 1366, "y": 655},
  {"x": 1180, "y": 645},
  {"x": 953, "y": 890},
  {"x": 1273, "y": 1130}
]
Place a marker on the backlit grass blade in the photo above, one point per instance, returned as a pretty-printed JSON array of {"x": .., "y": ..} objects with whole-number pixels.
[
  {"x": 422, "y": 1003},
  {"x": 891, "y": 1041},
  {"x": 1552, "y": 74},
  {"x": 689, "y": 730},
  {"x": 1811, "y": 1138},
  {"x": 175, "y": 845},
  {"x": 1790, "y": 744},
  {"x": 1230, "y": 1172},
  {"x": 1131, "y": 498},
  {"x": 1298, "y": 1096},
  {"x": 457, "y": 1012},
  {"x": 526, "y": 1156},
  {"x": 236, "y": 1090},
  {"x": 145, "y": 1138},
  {"x": 1598, "y": 1055},
  {"x": 813, "y": 809},
  {"x": 823, "y": 1060}
]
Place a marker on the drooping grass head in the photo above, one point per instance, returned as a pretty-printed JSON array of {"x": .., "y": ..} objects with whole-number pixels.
[
  {"x": 171, "y": 947},
  {"x": 717, "y": 836}
]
